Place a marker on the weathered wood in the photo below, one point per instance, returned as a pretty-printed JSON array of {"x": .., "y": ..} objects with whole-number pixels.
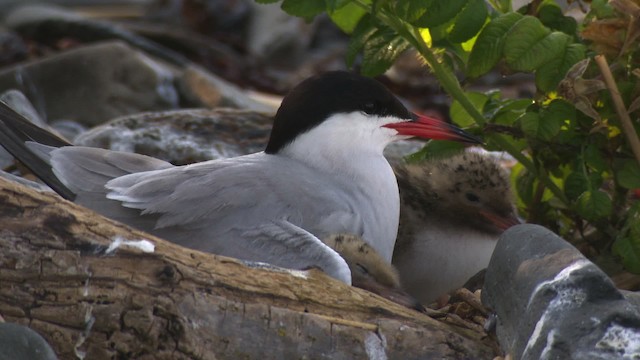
[{"x": 176, "y": 303}]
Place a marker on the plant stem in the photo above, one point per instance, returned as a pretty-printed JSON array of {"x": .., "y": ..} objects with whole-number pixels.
[
  {"x": 627, "y": 126},
  {"x": 452, "y": 86}
]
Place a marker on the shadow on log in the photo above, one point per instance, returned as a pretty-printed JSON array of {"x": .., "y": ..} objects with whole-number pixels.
[{"x": 57, "y": 277}]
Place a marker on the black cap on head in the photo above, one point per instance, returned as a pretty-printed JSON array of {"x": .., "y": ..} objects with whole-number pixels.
[{"x": 318, "y": 97}]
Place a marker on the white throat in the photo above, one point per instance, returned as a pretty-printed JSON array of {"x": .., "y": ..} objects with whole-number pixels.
[
  {"x": 351, "y": 146},
  {"x": 344, "y": 143}
]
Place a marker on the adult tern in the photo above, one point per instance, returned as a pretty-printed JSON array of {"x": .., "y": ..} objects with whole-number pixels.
[{"x": 321, "y": 173}]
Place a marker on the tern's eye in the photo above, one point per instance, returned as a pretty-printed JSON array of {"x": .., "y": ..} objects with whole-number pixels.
[
  {"x": 472, "y": 197},
  {"x": 370, "y": 107}
]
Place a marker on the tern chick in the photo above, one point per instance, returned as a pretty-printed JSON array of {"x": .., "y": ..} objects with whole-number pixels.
[
  {"x": 452, "y": 213},
  {"x": 370, "y": 271}
]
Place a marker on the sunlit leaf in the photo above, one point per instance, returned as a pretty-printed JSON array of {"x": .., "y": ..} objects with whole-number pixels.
[
  {"x": 460, "y": 116},
  {"x": 469, "y": 21},
  {"x": 347, "y": 17},
  {"x": 487, "y": 50},
  {"x": 303, "y": 8},
  {"x": 436, "y": 149}
]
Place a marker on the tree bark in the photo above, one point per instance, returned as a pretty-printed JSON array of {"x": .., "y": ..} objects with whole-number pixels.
[{"x": 57, "y": 277}]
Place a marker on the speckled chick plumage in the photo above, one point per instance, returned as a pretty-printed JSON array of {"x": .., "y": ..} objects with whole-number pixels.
[
  {"x": 369, "y": 270},
  {"x": 452, "y": 212}
]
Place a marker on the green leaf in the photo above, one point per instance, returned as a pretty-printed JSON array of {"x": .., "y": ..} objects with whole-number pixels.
[
  {"x": 303, "y": 8},
  {"x": 381, "y": 50},
  {"x": 549, "y": 75},
  {"x": 493, "y": 142},
  {"x": 509, "y": 111},
  {"x": 550, "y": 14},
  {"x": 627, "y": 245},
  {"x": 363, "y": 31},
  {"x": 411, "y": 10},
  {"x": 602, "y": 9},
  {"x": 347, "y": 17},
  {"x": 628, "y": 174},
  {"x": 543, "y": 126},
  {"x": 628, "y": 248},
  {"x": 436, "y": 149},
  {"x": 529, "y": 44},
  {"x": 267, "y": 1},
  {"x": 460, "y": 116},
  {"x": 469, "y": 21},
  {"x": 594, "y": 205},
  {"x": 575, "y": 185},
  {"x": 438, "y": 12},
  {"x": 488, "y": 47},
  {"x": 593, "y": 157},
  {"x": 379, "y": 44}
]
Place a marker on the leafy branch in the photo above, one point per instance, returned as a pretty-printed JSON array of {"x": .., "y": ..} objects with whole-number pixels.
[{"x": 578, "y": 174}]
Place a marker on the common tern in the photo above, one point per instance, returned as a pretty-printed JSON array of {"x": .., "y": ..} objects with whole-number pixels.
[
  {"x": 452, "y": 212},
  {"x": 322, "y": 173}
]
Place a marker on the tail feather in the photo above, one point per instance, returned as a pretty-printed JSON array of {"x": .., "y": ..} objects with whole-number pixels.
[{"x": 15, "y": 131}]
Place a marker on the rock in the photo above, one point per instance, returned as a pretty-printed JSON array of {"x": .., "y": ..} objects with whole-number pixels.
[
  {"x": 18, "y": 342},
  {"x": 274, "y": 37},
  {"x": 553, "y": 303},
  {"x": 13, "y": 48},
  {"x": 184, "y": 136},
  {"x": 100, "y": 82},
  {"x": 48, "y": 23},
  {"x": 203, "y": 89}
]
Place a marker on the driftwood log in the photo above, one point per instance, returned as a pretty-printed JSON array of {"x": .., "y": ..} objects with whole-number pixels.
[{"x": 59, "y": 277}]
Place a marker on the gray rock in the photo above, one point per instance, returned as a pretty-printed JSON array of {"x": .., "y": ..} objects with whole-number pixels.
[
  {"x": 274, "y": 37},
  {"x": 94, "y": 83},
  {"x": 19, "y": 342},
  {"x": 553, "y": 303},
  {"x": 204, "y": 89},
  {"x": 193, "y": 135},
  {"x": 46, "y": 22},
  {"x": 184, "y": 136}
]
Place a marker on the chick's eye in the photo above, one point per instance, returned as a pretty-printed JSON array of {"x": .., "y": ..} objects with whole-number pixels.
[
  {"x": 472, "y": 197},
  {"x": 362, "y": 269}
]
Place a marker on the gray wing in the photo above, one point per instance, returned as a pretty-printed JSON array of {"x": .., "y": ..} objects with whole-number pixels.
[
  {"x": 297, "y": 248},
  {"x": 85, "y": 171},
  {"x": 212, "y": 206}
]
